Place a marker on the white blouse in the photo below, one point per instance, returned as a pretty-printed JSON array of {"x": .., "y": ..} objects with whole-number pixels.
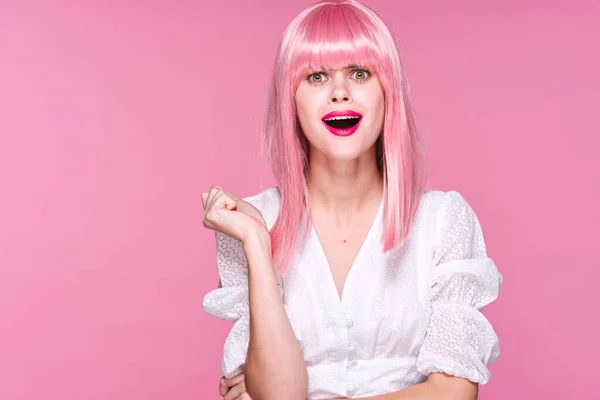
[{"x": 402, "y": 315}]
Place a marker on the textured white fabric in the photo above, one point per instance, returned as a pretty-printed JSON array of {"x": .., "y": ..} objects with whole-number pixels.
[{"x": 404, "y": 314}]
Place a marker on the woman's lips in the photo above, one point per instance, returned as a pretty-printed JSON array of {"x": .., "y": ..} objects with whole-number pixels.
[
  {"x": 342, "y": 132},
  {"x": 343, "y": 113}
]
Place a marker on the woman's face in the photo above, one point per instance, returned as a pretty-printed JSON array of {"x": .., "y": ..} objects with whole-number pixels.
[{"x": 353, "y": 90}]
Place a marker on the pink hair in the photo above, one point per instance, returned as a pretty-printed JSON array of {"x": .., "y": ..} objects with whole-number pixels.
[{"x": 331, "y": 35}]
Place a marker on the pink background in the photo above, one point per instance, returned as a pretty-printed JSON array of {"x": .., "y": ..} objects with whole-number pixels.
[{"x": 115, "y": 116}]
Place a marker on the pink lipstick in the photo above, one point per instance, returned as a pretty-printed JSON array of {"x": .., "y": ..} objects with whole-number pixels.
[{"x": 342, "y": 123}]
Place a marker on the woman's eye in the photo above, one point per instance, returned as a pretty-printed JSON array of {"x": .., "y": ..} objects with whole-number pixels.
[
  {"x": 313, "y": 77},
  {"x": 362, "y": 74}
]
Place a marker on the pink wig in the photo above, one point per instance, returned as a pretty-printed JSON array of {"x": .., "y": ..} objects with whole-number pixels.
[{"x": 331, "y": 35}]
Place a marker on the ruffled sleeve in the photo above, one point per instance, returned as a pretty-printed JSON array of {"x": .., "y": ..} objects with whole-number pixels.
[
  {"x": 460, "y": 341},
  {"x": 230, "y": 302}
]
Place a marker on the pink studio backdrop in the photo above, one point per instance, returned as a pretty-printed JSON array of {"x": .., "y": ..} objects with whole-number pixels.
[{"x": 115, "y": 116}]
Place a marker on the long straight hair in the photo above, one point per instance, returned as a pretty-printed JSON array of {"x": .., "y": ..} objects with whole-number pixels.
[{"x": 330, "y": 35}]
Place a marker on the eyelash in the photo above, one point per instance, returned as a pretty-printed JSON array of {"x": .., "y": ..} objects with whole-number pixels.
[{"x": 369, "y": 74}]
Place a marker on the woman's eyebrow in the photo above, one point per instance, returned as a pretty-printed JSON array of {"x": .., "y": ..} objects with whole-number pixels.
[{"x": 349, "y": 66}]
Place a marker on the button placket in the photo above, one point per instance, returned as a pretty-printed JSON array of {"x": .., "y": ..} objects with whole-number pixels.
[{"x": 352, "y": 354}]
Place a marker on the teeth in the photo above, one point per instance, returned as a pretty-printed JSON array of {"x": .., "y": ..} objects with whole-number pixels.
[{"x": 339, "y": 118}]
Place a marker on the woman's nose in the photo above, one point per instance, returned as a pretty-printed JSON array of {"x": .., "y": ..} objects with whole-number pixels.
[
  {"x": 339, "y": 94},
  {"x": 339, "y": 98},
  {"x": 339, "y": 91}
]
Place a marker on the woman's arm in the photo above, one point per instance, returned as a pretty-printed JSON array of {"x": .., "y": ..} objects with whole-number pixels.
[
  {"x": 275, "y": 367},
  {"x": 438, "y": 386}
]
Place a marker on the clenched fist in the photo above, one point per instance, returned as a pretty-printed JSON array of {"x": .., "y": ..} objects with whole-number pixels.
[{"x": 225, "y": 213}]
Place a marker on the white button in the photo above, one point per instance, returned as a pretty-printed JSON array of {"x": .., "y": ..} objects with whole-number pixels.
[
  {"x": 349, "y": 323},
  {"x": 352, "y": 363},
  {"x": 352, "y": 354}
]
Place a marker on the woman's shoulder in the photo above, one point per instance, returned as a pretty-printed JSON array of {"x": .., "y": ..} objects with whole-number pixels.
[
  {"x": 448, "y": 211},
  {"x": 437, "y": 202},
  {"x": 267, "y": 202}
]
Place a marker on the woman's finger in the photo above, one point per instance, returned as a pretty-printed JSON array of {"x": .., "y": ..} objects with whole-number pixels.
[
  {"x": 228, "y": 201},
  {"x": 244, "y": 396},
  {"x": 223, "y": 387},
  {"x": 227, "y": 192},
  {"x": 213, "y": 199},
  {"x": 209, "y": 209},
  {"x": 221, "y": 200},
  {"x": 204, "y": 198},
  {"x": 211, "y": 195},
  {"x": 234, "y": 380},
  {"x": 236, "y": 391},
  {"x": 225, "y": 384}
]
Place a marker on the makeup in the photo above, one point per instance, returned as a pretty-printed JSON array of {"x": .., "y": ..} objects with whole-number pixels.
[{"x": 342, "y": 123}]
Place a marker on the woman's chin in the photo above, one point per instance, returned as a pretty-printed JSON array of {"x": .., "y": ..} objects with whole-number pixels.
[{"x": 344, "y": 153}]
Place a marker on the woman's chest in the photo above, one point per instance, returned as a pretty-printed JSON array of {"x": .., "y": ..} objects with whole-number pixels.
[{"x": 382, "y": 312}]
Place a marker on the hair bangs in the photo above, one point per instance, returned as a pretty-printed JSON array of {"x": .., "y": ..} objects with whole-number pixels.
[{"x": 334, "y": 38}]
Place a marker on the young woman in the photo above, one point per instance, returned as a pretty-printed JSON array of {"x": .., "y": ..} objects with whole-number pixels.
[{"x": 349, "y": 279}]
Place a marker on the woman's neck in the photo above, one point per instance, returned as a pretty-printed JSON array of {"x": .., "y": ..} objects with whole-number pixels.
[{"x": 344, "y": 189}]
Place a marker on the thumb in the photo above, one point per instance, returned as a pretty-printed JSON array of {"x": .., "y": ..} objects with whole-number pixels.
[{"x": 227, "y": 201}]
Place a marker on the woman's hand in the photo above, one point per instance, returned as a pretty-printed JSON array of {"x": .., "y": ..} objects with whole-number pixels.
[
  {"x": 234, "y": 388},
  {"x": 225, "y": 213}
]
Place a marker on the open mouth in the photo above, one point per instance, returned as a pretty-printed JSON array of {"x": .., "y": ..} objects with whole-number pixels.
[{"x": 342, "y": 122}]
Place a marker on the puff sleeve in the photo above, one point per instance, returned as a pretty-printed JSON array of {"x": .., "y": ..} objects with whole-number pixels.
[
  {"x": 460, "y": 341},
  {"x": 230, "y": 302}
]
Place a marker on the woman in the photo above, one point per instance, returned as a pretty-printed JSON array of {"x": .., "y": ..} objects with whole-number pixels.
[{"x": 348, "y": 279}]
